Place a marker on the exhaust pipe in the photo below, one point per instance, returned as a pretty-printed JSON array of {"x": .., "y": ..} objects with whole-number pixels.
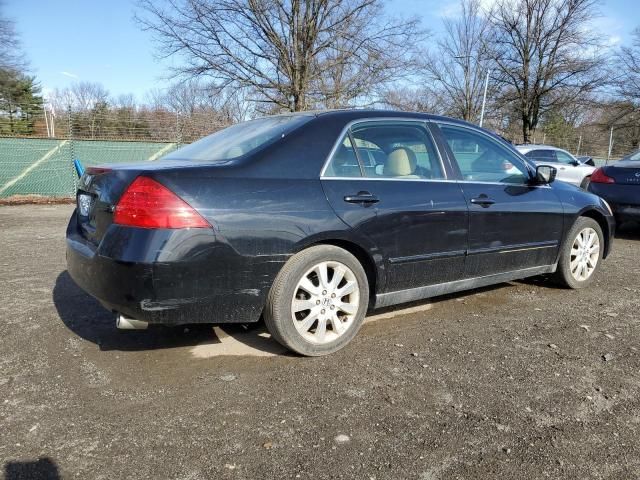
[{"x": 124, "y": 323}]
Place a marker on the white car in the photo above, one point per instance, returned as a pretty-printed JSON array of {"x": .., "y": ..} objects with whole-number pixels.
[{"x": 570, "y": 169}]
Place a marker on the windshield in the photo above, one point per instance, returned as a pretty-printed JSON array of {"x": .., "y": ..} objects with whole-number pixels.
[
  {"x": 240, "y": 139},
  {"x": 634, "y": 157}
]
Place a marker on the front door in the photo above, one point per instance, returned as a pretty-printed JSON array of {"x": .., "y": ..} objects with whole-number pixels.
[
  {"x": 393, "y": 189},
  {"x": 513, "y": 224}
]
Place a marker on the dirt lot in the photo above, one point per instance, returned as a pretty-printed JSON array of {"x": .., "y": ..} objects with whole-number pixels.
[{"x": 521, "y": 380}]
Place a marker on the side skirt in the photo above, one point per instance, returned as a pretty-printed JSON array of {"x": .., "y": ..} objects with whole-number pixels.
[{"x": 419, "y": 293}]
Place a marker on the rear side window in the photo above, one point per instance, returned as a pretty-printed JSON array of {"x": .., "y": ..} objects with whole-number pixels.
[
  {"x": 398, "y": 150},
  {"x": 240, "y": 139},
  {"x": 483, "y": 159},
  {"x": 542, "y": 156}
]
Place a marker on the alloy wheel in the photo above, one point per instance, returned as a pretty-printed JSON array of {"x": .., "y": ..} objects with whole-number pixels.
[
  {"x": 325, "y": 302},
  {"x": 585, "y": 253}
]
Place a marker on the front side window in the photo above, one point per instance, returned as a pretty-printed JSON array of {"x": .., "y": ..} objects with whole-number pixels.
[
  {"x": 239, "y": 139},
  {"x": 481, "y": 158},
  {"x": 564, "y": 158},
  {"x": 398, "y": 150}
]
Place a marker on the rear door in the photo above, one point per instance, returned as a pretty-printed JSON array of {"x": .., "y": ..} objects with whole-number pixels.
[
  {"x": 513, "y": 225},
  {"x": 388, "y": 182}
]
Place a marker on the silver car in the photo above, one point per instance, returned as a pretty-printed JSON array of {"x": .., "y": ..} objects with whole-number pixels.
[{"x": 570, "y": 169}]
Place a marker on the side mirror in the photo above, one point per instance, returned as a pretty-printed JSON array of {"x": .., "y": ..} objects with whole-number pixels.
[{"x": 545, "y": 174}]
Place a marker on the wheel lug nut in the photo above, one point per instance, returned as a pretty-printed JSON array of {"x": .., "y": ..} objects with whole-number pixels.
[
  {"x": 324, "y": 292},
  {"x": 333, "y": 295},
  {"x": 332, "y": 307},
  {"x": 317, "y": 302},
  {"x": 322, "y": 311}
]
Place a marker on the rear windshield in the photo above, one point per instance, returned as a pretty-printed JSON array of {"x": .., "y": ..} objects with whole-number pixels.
[
  {"x": 240, "y": 139},
  {"x": 634, "y": 157}
]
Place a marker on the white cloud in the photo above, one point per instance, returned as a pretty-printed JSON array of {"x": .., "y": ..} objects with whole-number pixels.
[{"x": 68, "y": 74}]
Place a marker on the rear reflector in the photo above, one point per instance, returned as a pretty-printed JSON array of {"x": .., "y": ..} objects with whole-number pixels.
[
  {"x": 149, "y": 204},
  {"x": 598, "y": 176}
]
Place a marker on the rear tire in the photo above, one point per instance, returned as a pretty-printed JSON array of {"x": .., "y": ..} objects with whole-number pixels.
[
  {"x": 581, "y": 254},
  {"x": 318, "y": 301}
]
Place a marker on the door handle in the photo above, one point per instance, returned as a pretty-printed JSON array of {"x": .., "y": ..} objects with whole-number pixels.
[
  {"x": 361, "y": 197},
  {"x": 483, "y": 201}
]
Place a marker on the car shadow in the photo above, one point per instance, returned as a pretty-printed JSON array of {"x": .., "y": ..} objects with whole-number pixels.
[
  {"x": 628, "y": 231},
  {"x": 87, "y": 318},
  {"x": 41, "y": 469}
]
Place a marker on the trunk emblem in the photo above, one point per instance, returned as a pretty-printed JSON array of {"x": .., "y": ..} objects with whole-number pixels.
[{"x": 637, "y": 174}]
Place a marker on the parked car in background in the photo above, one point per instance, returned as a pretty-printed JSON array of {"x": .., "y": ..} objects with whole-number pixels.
[
  {"x": 586, "y": 160},
  {"x": 570, "y": 169},
  {"x": 619, "y": 184},
  {"x": 308, "y": 220}
]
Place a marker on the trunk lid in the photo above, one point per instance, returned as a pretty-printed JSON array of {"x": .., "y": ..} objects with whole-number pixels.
[
  {"x": 99, "y": 190},
  {"x": 625, "y": 172}
]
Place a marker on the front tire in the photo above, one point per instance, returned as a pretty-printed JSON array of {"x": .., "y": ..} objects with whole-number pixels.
[
  {"x": 581, "y": 254},
  {"x": 318, "y": 301}
]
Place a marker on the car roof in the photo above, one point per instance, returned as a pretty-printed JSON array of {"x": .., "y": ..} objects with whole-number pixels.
[
  {"x": 350, "y": 114},
  {"x": 528, "y": 147}
]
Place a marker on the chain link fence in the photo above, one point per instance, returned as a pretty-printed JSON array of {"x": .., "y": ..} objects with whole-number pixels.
[{"x": 38, "y": 146}]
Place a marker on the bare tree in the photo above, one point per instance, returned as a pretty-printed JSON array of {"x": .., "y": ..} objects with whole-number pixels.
[
  {"x": 81, "y": 96},
  {"x": 11, "y": 56},
  {"x": 626, "y": 114},
  {"x": 295, "y": 54},
  {"x": 407, "y": 98},
  {"x": 460, "y": 64},
  {"x": 546, "y": 54},
  {"x": 628, "y": 62}
]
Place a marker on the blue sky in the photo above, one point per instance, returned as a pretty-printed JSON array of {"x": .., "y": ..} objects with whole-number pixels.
[{"x": 97, "y": 40}]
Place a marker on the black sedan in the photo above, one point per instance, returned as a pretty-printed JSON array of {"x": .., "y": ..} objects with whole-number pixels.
[
  {"x": 309, "y": 220},
  {"x": 619, "y": 184}
]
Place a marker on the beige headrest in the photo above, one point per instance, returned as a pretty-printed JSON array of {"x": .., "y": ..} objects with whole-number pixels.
[{"x": 400, "y": 162}]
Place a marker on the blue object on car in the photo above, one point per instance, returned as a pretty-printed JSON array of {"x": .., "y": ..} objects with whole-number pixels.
[{"x": 78, "y": 166}]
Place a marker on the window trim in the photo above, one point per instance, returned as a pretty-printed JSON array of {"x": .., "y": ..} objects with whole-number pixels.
[
  {"x": 347, "y": 131},
  {"x": 524, "y": 162}
]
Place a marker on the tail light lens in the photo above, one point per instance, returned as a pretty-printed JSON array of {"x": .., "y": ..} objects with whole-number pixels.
[
  {"x": 598, "y": 176},
  {"x": 149, "y": 204}
]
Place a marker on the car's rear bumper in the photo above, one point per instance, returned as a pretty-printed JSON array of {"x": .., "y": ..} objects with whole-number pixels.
[{"x": 171, "y": 276}]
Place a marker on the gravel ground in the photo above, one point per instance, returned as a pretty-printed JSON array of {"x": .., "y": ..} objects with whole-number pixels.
[{"x": 521, "y": 380}]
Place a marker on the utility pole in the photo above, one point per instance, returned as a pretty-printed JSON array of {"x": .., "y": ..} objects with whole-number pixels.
[
  {"x": 610, "y": 144},
  {"x": 484, "y": 97},
  {"x": 579, "y": 145}
]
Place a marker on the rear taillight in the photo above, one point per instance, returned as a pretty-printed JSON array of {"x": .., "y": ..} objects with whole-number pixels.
[
  {"x": 598, "y": 176},
  {"x": 149, "y": 204}
]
